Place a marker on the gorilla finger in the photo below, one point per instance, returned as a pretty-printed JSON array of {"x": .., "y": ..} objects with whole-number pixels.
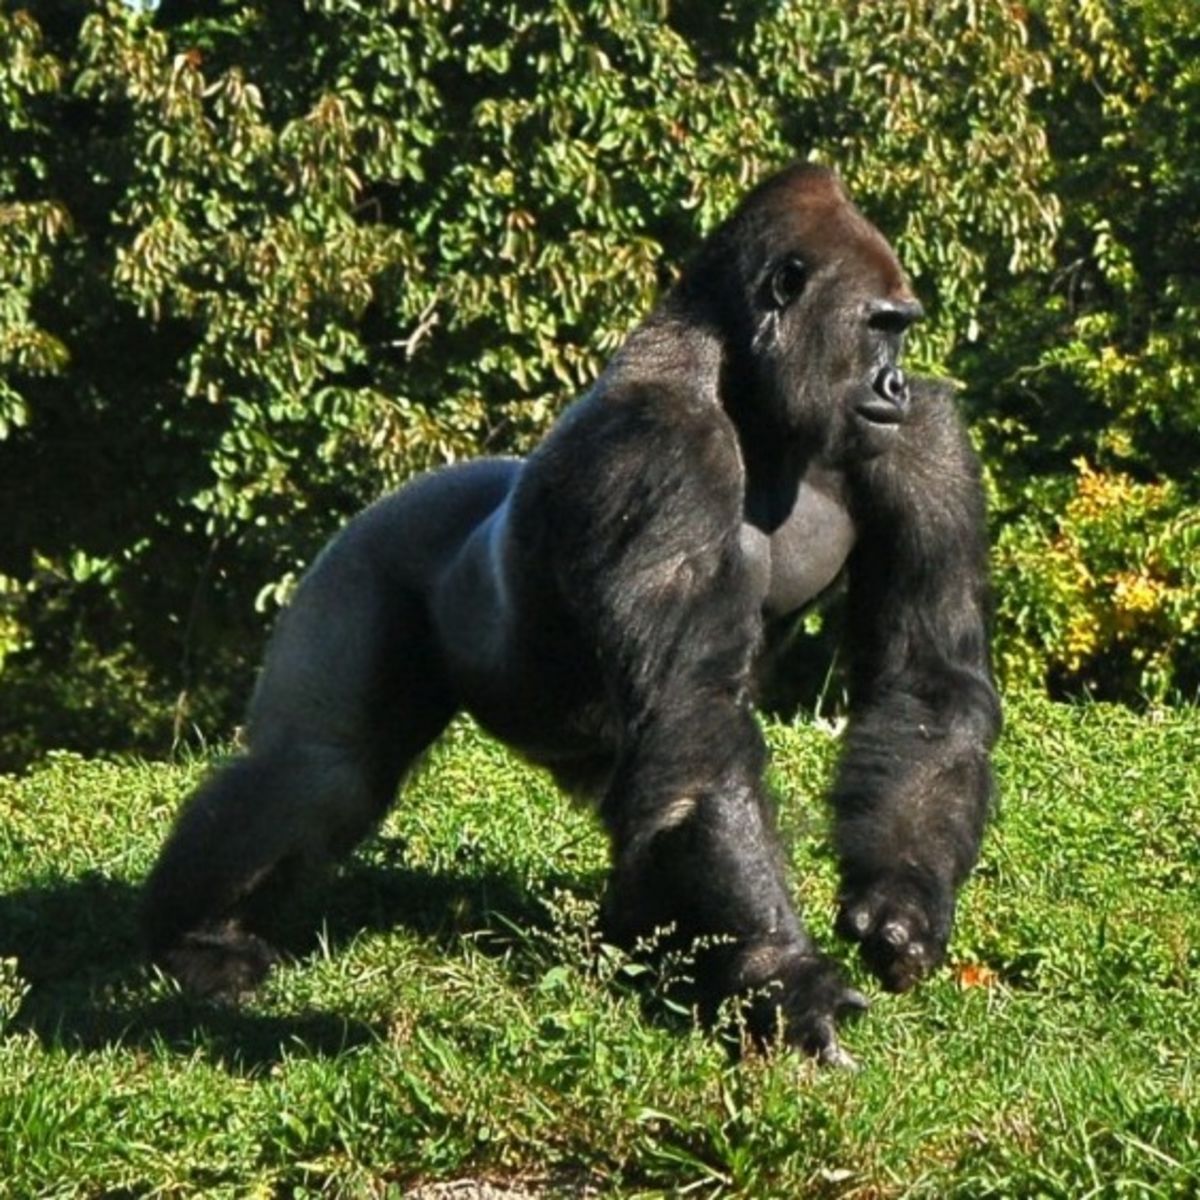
[
  {"x": 852, "y": 1003},
  {"x": 822, "y": 1043},
  {"x": 899, "y": 970},
  {"x": 833, "y": 1055},
  {"x": 855, "y": 921}
]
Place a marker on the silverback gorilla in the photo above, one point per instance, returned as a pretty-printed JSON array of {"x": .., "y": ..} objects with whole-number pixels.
[{"x": 603, "y": 605}]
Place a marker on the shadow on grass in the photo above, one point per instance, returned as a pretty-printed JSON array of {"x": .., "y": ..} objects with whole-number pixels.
[
  {"x": 444, "y": 906},
  {"x": 76, "y": 944}
]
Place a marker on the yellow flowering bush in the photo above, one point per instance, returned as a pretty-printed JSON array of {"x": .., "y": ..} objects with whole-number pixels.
[{"x": 1105, "y": 595}]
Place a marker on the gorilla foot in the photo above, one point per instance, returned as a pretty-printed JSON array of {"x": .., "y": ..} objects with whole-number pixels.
[
  {"x": 220, "y": 963},
  {"x": 798, "y": 1003},
  {"x": 902, "y": 924}
]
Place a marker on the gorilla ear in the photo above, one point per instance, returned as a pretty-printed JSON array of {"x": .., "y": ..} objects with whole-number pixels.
[{"x": 786, "y": 281}]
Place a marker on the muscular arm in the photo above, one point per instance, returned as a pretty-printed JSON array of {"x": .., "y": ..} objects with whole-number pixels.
[
  {"x": 648, "y": 558},
  {"x": 914, "y": 786}
]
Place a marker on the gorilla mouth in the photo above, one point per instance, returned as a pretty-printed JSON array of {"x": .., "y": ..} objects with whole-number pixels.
[{"x": 886, "y": 403}]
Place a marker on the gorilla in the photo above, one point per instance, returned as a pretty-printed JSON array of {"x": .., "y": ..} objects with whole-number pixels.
[{"x": 605, "y": 607}]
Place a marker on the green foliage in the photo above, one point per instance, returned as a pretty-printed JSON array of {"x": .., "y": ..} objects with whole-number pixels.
[
  {"x": 260, "y": 262},
  {"x": 1093, "y": 431},
  {"x": 28, "y": 230},
  {"x": 456, "y": 1017},
  {"x": 926, "y": 112}
]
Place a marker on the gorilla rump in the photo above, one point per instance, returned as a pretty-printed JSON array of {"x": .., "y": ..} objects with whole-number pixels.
[{"x": 603, "y": 605}]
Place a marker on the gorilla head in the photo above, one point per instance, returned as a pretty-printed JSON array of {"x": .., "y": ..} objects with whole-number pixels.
[{"x": 813, "y": 305}]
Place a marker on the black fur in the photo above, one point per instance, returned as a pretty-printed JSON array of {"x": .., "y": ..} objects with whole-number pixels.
[{"x": 601, "y": 606}]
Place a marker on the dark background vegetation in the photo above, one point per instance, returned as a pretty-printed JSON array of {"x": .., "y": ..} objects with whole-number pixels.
[{"x": 261, "y": 261}]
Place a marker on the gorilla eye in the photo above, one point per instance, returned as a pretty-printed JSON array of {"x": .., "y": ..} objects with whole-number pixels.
[{"x": 787, "y": 281}]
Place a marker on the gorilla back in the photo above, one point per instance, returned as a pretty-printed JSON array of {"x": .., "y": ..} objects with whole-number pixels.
[{"x": 601, "y": 607}]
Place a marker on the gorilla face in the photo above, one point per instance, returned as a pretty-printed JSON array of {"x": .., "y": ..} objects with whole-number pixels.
[{"x": 821, "y": 308}]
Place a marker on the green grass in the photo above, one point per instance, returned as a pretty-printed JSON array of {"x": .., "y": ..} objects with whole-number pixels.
[{"x": 452, "y": 1018}]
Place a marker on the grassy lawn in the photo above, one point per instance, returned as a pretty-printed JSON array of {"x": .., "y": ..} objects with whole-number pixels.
[{"x": 452, "y": 1017}]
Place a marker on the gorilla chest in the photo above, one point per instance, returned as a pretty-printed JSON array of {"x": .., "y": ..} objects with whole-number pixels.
[{"x": 796, "y": 549}]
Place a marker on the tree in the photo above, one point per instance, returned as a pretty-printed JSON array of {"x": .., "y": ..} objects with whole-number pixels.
[{"x": 264, "y": 261}]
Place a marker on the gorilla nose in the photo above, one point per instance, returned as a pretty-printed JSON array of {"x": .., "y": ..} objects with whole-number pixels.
[{"x": 888, "y": 402}]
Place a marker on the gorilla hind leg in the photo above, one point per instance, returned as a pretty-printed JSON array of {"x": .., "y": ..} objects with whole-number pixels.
[
  {"x": 349, "y": 697},
  {"x": 228, "y": 841},
  {"x": 244, "y": 845}
]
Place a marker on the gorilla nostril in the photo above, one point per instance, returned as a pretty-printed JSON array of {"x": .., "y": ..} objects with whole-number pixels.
[
  {"x": 887, "y": 401},
  {"x": 891, "y": 384}
]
